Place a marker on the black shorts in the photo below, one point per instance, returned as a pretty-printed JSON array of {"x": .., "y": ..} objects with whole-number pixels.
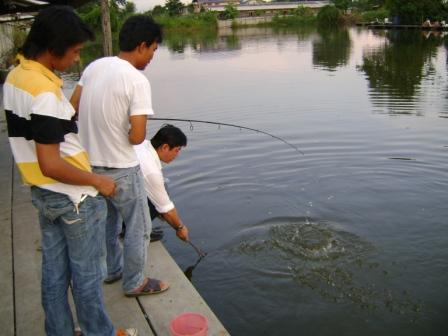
[{"x": 152, "y": 210}]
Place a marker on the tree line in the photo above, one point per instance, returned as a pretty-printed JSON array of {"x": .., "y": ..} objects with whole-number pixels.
[
  {"x": 174, "y": 15},
  {"x": 403, "y": 11}
]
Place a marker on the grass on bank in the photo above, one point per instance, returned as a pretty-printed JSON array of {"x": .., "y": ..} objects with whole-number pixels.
[
  {"x": 301, "y": 16},
  {"x": 190, "y": 22}
]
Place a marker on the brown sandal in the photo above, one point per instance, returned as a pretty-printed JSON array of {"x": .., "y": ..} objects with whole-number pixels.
[{"x": 152, "y": 287}]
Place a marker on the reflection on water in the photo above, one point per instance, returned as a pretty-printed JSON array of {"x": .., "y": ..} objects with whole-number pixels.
[
  {"x": 395, "y": 72},
  {"x": 364, "y": 107},
  {"x": 203, "y": 41},
  {"x": 395, "y": 69},
  {"x": 332, "y": 49},
  {"x": 228, "y": 39},
  {"x": 333, "y": 263}
]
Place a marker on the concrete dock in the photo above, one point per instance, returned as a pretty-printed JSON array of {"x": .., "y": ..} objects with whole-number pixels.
[{"x": 21, "y": 313}]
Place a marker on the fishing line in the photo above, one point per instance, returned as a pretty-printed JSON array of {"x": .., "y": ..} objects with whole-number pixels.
[{"x": 191, "y": 121}]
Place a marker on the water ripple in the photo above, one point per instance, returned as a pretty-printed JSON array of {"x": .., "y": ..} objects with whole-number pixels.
[{"x": 335, "y": 264}]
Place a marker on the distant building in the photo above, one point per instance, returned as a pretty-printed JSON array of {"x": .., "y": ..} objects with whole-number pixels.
[
  {"x": 253, "y": 2},
  {"x": 252, "y": 7},
  {"x": 207, "y": 4}
]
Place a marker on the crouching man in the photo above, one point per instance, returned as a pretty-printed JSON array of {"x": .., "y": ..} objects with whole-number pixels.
[{"x": 164, "y": 146}]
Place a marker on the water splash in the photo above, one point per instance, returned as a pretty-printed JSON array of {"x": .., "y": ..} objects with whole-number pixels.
[
  {"x": 305, "y": 239},
  {"x": 335, "y": 264}
]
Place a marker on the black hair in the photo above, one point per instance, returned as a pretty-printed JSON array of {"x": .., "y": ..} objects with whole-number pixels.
[
  {"x": 55, "y": 29},
  {"x": 138, "y": 29},
  {"x": 170, "y": 135}
]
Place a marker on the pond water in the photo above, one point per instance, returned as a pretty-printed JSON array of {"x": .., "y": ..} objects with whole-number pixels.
[{"x": 349, "y": 238}]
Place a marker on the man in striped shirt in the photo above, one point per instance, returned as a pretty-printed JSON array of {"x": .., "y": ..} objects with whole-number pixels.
[{"x": 45, "y": 144}]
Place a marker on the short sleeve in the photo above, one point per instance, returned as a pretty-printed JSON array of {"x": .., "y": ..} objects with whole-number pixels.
[
  {"x": 141, "y": 102},
  {"x": 49, "y": 121},
  {"x": 46, "y": 130},
  {"x": 84, "y": 75}
]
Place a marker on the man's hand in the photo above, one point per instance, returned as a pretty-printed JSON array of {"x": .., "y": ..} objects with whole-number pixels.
[
  {"x": 173, "y": 219},
  {"x": 183, "y": 233},
  {"x": 105, "y": 185}
]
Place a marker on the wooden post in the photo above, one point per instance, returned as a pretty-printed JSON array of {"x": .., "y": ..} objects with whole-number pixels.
[{"x": 107, "y": 31}]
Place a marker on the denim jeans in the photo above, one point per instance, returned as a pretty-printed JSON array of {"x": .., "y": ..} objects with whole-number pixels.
[
  {"x": 129, "y": 204},
  {"x": 73, "y": 253}
]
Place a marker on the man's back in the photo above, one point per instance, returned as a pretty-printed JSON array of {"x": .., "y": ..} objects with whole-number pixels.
[{"x": 112, "y": 91}]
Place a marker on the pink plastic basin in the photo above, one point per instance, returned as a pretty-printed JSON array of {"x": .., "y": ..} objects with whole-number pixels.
[{"x": 189, "y": 324}]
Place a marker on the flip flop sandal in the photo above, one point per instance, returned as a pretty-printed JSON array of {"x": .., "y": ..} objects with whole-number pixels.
[
  {"x": 151, "y": 287},
  {"x": 156, "y": 236}
]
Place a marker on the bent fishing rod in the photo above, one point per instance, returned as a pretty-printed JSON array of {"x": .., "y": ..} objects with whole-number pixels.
[{"x": 191, "y": 121}]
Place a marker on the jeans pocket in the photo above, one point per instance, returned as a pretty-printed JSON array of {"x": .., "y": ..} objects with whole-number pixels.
[
  {"x": 75, "y": 223},
  {"x": 51, "y": 204},
  {"x": 127, "y": 188}
]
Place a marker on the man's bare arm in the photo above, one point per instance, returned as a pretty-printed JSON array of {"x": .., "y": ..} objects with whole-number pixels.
[
  {"x": 137, "y": 133},
  {"x": 54, "y": 166}
]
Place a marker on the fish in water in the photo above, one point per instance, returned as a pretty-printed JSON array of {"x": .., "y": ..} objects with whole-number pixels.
[{"x": 335, "y": 264}]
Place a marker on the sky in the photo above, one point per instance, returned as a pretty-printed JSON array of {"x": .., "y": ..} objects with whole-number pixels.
[{"x": 144, "y": 5}]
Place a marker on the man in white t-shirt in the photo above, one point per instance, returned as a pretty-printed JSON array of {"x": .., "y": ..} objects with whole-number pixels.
[
  {"x": 114, "y": 100},
  {"x": 164, "y": 146}
]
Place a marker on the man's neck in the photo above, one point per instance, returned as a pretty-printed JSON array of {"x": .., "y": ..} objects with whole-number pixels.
[
  {"x": 128, "y": 56},
  {"x": 46, "y": 60}
]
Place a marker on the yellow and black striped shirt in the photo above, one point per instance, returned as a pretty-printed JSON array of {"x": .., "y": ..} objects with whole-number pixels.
[{"x": 37, "y": 111}]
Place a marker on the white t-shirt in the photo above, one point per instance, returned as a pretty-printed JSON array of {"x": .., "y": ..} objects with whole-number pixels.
[
  {"x": 152, "y": 173},
  {"x": 112, "y": 91}
]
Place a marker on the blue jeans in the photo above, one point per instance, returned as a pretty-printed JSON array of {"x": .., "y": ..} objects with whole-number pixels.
[
  {"x": 73, "y": 253},
  {"x": 129, "y": 204}
]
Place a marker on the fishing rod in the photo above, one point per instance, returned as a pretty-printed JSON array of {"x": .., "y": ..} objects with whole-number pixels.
[
  {"x": 191, "y": 121},
  {"x": 200, "y": 253}
]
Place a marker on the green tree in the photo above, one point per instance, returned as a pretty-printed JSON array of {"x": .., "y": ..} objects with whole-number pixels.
[
  {"x": 158, "y": 10},
  {"x": 329, "y": 16},
  {"x": 343, "y": 5},
  {"x": 376, "y": 3},
  {"x": 304, "y": 12},
  {"x": 119, "y": 11},
  {"x": 416, "y": 11},
  {"x": 368, "y": 5},
  {"x": 174, "y": 7},
  {"x": 230, "y": 12}
]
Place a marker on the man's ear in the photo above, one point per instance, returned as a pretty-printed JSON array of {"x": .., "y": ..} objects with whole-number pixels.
[
  {"x": 165, "y": 147},
  {"x": 141, "y": 46}
]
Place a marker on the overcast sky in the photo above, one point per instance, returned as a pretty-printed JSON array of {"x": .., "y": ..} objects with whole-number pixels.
[{"x": 144, "y": 5}]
